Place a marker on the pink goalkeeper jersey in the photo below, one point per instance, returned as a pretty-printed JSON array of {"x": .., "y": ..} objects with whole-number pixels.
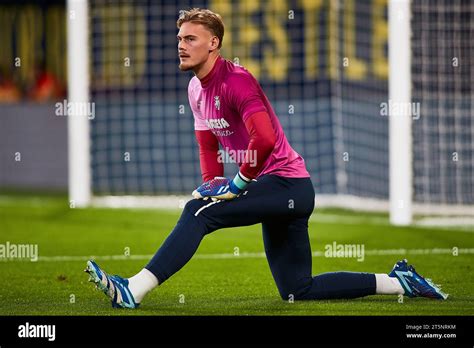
[{"x": 224, "y": 99}]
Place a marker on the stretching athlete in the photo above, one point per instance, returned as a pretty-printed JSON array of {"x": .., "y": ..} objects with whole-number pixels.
[{"x": 230, "y": 108}]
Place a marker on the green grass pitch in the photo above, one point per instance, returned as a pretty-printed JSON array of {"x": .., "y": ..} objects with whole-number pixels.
[{"x": 209, "y": 284}]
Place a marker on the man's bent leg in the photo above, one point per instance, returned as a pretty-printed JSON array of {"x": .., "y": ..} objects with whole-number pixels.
[{"x": 289, "y": 255}]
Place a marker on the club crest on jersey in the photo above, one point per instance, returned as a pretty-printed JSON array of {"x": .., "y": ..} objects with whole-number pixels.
[{"x": 217, "y": 102}]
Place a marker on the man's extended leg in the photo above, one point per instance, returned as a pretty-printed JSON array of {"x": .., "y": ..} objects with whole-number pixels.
[{"x": 266, "y": 198}]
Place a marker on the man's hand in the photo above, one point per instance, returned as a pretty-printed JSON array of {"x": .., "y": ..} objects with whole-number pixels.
[{"x": 217, "y": 188}]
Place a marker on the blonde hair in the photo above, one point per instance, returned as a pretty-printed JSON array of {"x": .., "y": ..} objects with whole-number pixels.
[{"x": 212, "y": 21}]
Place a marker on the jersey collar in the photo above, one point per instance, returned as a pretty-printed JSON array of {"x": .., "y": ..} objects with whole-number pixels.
[{"x": 206, "y": 80}]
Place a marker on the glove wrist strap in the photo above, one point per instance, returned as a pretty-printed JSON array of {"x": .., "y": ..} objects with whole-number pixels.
[{"x": 240, "y": 181}]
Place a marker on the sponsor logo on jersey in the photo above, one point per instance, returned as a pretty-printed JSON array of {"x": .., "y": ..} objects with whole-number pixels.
[
  {"x": 222, "y": 133},
  {"x": 217, "y": 123}
]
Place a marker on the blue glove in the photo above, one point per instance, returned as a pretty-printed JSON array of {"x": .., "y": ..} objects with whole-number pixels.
[{"x": 221, "y": 188}]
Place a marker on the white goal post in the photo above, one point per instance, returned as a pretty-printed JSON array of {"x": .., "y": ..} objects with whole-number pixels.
[
  {"x": 400, "y": 138},
  {"x": 79, "y": 170}
]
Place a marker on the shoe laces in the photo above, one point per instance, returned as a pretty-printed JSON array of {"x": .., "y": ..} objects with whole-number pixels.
[
  {"x": 437, "y": 287},
  {"x": 429, "y": 281}
]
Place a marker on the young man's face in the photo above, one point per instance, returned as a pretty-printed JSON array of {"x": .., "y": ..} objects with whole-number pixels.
[{"x": 194, "y": 45}]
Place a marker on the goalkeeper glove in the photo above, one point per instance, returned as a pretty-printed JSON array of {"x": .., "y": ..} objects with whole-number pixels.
[{"x": 222, "y": 188}]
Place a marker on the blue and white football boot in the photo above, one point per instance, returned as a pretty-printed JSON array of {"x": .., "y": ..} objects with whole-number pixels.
[
  {"x": 414, "y": 284},
  {"x": 115, "y": 287}
]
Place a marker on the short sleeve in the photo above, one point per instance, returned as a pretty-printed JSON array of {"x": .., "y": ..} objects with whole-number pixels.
[
  {"x": 245, "y": 94},
  {"x": 193, "y": 97}
]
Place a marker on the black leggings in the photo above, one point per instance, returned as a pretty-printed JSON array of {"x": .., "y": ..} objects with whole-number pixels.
[{"x": 283, "y": 207}]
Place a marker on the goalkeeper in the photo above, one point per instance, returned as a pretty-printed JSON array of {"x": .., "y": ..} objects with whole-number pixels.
[{"x": 273, "y": 189}]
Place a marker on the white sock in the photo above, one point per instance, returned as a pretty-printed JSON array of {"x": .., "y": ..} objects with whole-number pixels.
[
  {"x": 386, "y": 285},
  {"x": 141, "y": 283}
]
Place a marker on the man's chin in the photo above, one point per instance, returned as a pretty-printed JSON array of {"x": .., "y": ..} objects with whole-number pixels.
[{"x": 185, "y": 67}]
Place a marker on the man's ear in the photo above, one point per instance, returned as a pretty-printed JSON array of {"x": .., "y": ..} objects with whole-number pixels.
[{"x": 214, "y": 43}]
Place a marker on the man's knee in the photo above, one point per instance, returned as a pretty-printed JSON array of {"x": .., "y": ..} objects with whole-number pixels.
[
  {"x": 191, "y": 214},
  {"x": 193, "y": 206},
  {"x": 296, "y": 291}
]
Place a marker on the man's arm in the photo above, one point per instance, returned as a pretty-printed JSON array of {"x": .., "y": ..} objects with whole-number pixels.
[
  {"x": 208, "y": 155},
  {"x": 208, "y": 144},
  {"x": 261, "y": 144}
]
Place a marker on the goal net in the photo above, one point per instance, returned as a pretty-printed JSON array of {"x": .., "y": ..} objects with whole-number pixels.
[{"x": 442, "y": 76}]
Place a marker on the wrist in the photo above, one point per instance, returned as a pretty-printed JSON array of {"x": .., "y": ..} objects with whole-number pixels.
[{"x": 239, "y": 182}]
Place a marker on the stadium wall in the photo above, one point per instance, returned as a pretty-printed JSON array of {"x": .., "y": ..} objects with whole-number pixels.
[{"x": 33, "y": 143}]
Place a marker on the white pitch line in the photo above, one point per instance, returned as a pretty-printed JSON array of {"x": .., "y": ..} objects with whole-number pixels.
[
  {"x": 349, "y": 220},
  {"x": 244, "y": 255},
  {"x": 456, "y": 224}
]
